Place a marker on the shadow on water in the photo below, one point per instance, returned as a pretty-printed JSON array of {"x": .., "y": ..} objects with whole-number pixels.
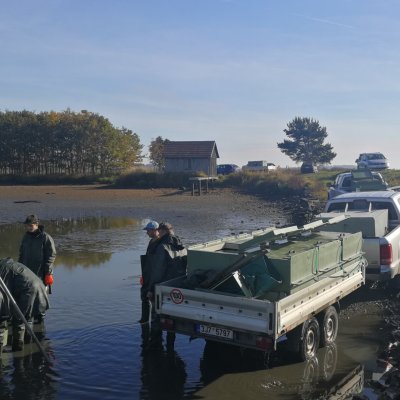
[
  {"x": 163, "y": 376},
  {"x": 27, "y": 376}
]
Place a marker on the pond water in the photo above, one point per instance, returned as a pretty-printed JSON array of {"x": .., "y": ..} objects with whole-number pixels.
[{"x": 94, "y": 341}]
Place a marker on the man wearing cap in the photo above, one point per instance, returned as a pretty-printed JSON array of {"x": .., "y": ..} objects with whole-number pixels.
[
  {"x": 146, "y": 262},
  {"x": 37, "y": 250}
]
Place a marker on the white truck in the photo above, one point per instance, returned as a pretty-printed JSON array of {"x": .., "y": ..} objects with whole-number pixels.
[
  {"x": 377, "y": 216},
  {"x": 259, "y": 166},
  {"x": 253, "y": 290}
]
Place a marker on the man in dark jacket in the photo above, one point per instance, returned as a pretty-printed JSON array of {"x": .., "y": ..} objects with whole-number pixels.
[
  {"x": 168, "y": 262},
  {"x": 146, "y": 263},
  {"x": 37, "y": 250},
  {"x": 169, "y": 258},
  {"x": 28, "y": 292}
]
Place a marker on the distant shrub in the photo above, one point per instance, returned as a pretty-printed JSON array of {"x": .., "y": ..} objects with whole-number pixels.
[
  {"x": 145, "y": 180},
  {"x": 50, "y": 180}
]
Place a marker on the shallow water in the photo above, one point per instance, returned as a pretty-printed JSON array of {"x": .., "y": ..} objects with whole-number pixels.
[{"x": 95, "y": 343}]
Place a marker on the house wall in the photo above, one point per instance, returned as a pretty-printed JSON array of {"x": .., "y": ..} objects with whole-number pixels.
[{"x": 192, "y": 165}]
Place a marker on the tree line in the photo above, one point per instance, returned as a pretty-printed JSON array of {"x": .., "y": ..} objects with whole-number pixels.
[{"x": 68, "y": 143}]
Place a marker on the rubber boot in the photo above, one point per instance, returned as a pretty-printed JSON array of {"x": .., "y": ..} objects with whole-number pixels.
[
  {"x": 2, "y": 331},
  {"x": 40, "y": 317},
  {"x": 40, "y": 330},
  {"x": 145, "y": 312},
  {"x": 155, "y": 341},
  {"x": 18, "y": 337},
  {"x": 28, "y": 338}
]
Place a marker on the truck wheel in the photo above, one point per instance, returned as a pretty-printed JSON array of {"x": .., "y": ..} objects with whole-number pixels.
[{"x": 329, "y": 326}]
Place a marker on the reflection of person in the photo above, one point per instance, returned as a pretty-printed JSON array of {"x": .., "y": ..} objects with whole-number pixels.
[
  {"x": 163, "y": 376},
  {"x": 37, "y": 250},
  {"x": 28, "y": 292},
  {"x": 169, "y": 261}
]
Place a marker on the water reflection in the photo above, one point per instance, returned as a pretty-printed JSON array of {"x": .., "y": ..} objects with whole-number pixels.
[
  {"x": 27, "y": 370},
  {"x": 85, "y": 241},
  {"x": 228, "y": 373},
  {"x": 163, "y": 375},
  {"x": 96, "y": 342}
]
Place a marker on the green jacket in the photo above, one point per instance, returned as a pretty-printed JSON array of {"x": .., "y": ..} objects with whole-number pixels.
[{"x": 38, "y": 252}]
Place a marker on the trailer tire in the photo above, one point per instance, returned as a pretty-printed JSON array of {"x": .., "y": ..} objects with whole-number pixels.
[
  {"x": 309, "y": 341},
  {"x": 304, "y": 340},
  {"x": 329, "y": 321}
]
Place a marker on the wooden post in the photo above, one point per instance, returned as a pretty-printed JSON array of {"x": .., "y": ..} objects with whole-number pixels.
[
  {"x": 200, "y": 187},
  {"x": 193, "y": 188}
]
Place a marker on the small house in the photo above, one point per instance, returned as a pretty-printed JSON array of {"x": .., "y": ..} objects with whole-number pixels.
[{"x": 191, "y": 157}]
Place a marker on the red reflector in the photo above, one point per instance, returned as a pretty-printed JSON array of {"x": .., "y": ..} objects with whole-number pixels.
[
  {"x": 386, "y": 254},
  {"x": 167, "y": 324},
  {"x": 264, "y": 343},
  {"x": 141, "y": 281}
]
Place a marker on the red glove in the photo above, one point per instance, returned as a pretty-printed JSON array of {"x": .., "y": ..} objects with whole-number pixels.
[{"x": 48, "y": 279}]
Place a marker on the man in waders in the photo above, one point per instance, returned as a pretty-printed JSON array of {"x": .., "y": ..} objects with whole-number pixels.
[
  {"x": 146, "y": 262},
  {"x": 169, "y": 262},
  {"x": 29, "y": 293},
  {"x": 38, "y": 252}
]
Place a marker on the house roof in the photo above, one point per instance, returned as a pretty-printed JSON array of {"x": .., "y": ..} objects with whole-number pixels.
[{"x": 190, "y": 149}]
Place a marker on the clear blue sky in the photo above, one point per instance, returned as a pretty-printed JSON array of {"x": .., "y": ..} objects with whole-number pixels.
[{"x": 234, "y": 71}]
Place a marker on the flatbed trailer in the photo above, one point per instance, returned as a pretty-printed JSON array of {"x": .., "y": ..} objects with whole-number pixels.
[{"x": 307, "y": 316}]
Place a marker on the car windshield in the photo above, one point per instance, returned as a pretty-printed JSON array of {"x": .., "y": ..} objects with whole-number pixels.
[{"x": 375, "y": 156}]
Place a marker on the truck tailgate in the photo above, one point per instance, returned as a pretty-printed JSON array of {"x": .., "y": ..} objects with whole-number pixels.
[
  {"x": 371, "y": 249},
  {"x": 223, "y": 310}
]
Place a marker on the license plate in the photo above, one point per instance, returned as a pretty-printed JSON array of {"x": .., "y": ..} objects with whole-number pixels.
[{"x": 214, "y": 331}]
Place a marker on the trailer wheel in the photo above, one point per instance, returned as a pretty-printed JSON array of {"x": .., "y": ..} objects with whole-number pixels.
[
  {"x": 309, "y": 341},
  {"x": 329, "y": 326}
]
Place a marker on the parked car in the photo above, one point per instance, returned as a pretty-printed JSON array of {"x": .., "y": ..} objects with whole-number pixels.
[
  {"x": 372, "y": 161},
  {"x": 225, "y": 169},
  {"x": 261, "y": 165},
  {"x": 308, "y": 168},
  {"x": 360, "y": 180}
]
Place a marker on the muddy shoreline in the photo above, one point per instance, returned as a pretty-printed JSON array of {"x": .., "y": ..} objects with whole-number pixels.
[{"x": 182, "y": 209}]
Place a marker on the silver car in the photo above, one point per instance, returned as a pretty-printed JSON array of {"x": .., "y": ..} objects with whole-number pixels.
[{"x": 372, "y": 161}]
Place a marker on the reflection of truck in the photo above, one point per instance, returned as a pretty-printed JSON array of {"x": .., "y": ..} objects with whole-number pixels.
[
  {"x": 254, "y": 289},
  {"x": 357, "y": 181},
  {"x": 259, "y": 166},
  {"x": 377, "y": 216}
]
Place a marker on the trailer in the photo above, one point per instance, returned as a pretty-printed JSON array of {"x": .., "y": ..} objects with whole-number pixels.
[{"x": 253, "y": 290}]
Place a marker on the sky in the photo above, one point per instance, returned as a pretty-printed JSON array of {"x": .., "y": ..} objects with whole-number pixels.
[{"x": 233, "y": 71}]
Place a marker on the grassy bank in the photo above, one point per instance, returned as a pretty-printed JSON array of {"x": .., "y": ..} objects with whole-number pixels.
[{"x": 272, "y": 184}]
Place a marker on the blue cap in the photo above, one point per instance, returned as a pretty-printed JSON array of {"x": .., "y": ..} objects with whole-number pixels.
[{"x": 151, "y": 225}]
